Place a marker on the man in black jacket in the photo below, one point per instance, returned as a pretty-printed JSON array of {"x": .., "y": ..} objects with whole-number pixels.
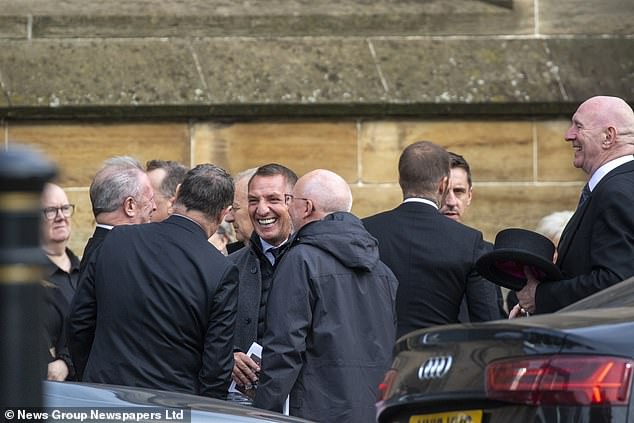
[
  {"x": 271, "y": 223},
  {"x": 483, "y": 299},
  {"x": 120, "y": 194},
  {"x": 596, "y": 248},
  {"x": 161, "y": 311},
  {"x": 432, "y": 257},
  {"x": 330, "y": 321}
]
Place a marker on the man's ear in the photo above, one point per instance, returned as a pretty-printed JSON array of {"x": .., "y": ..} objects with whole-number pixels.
[
  {"x": 129, "y": 206},
  {"x": 172, "y": 199},
  {"x": 170, "y": 204},
  {"x": 310, "y": 208},
  {"x": 443, "y": 190},
  {"x": 610, "y": 137},
  {"x": 443, "y": 185}
]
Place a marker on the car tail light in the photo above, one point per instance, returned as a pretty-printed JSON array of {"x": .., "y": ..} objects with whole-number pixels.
[
  {"x": 386, "y": 385},
  {"x": 561, "y": 380}
]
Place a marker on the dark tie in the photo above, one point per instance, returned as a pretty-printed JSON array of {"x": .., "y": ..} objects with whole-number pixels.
[
  {"x": 275, "y": 252},
  {"x": 585, "y": 194}
]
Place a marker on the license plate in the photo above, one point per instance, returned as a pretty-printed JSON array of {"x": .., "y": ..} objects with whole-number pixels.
[{"x": 467, "y": 416}]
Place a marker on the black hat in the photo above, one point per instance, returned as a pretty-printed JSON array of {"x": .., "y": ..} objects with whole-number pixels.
[{"x": 515, "y": 248}]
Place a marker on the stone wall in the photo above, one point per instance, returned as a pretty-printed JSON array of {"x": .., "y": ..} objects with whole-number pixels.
[
  {"x": 321, "y": 83},
  {"x": 522, "y": 169}
]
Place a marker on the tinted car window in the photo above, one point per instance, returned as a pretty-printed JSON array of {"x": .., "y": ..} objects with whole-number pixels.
[{"x": 619, "y": 295}]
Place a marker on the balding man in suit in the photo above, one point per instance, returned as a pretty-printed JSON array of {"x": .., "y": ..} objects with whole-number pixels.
[{"x": 596, "y": 249}]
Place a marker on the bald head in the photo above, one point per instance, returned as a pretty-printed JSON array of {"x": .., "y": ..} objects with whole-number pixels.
[
  {"x": 318, "y": 193},
  {"x": 602, "y": 130},
  {"x": 53, "y": 191},
  {"x": 610, "y": 111}
]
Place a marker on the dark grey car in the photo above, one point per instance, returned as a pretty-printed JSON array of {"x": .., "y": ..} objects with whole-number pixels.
[
  {"x": 73, "y": 396},
  {"x": 572, "y": 366}
]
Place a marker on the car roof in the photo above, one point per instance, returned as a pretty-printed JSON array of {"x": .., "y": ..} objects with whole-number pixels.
[
  {"x": 78, "y": 394},
  {"x": 618, "y": 295}
]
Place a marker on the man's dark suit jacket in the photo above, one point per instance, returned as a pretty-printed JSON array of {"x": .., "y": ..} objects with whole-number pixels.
[
  {"x": 483, "y": 299},
  {"x": 161, "y": 310},
  {"x": 596, "y": 249},
  {"x": 92, "y": 246},
  {"x": 432, "y": 257}
]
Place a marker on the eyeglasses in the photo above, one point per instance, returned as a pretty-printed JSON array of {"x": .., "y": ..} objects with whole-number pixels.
[
  {"x": 51, "y": 212},
  {"x": 290, "y": 197}
]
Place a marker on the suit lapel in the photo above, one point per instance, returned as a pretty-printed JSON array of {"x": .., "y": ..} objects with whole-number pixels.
[
  {"x": 570, "y": 230},
  {"x": 573, "y": 225}
]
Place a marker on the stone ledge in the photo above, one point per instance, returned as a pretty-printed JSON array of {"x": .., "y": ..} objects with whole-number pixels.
[
  {"x": 308, "y": 77},
  {"x": 233, "y": 112},
  {"x": 187, "y": 18}
]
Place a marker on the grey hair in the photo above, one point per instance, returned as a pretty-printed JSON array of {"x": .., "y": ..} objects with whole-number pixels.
[
  {"x": 247, "y": 173},
  {"x": 553, "y": 225},
  {"x": 117, "y": 179}
]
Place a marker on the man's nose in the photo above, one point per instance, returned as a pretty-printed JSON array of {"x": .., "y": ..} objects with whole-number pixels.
[
  {"x": 570, "y": 134},
  {"x": 263, "y": 207}
]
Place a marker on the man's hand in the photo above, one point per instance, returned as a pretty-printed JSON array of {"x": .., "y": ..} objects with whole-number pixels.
[
  {"x": 245, "y": 370},
  {"x": 518, "y": 311},
  {"x": 57, "y": 370},
  {"x": 526, "y": 297}
]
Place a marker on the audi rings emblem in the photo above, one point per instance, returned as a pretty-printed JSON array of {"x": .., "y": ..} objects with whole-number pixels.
[{"x": 435, "y": 367}]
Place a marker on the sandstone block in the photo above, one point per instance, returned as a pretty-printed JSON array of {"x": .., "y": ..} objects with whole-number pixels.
[
  {"x": 12, "y": 26},
  {"x": 495, "y": 150},
  {"x": 496, "y": 207},
  {"x": 94, "y": 73},
  {"x": 371, "y": 199},
  {"x": 283, "y": 71},
  {"x": 610, "y": 73},
  {"x": 222, "y": 18},
  {"x": 470, "y": 71},
  {"x": 586, "y": 17},
  {"x": 555, "y": 154},
  {"x": 301, "y": 146},
  {"x": 83, "y": 221},
  {"x": 80, "y": 148}
]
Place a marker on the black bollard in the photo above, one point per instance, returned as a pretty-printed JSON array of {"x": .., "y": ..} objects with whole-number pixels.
[{"x": 23, "y": 174}]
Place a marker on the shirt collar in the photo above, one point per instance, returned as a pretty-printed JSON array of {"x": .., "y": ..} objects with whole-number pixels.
[
  {"x": 103, "y": 225},
  {"x": 268, "y": 254},
  {"x": 191, "y": 220},
  {"x": 265, "y": 245},
  {"x": 420, "y": 200},
  {"x": 606, "y": 168}
]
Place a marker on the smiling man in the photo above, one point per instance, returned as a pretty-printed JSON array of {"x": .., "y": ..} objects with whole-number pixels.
[
  {"x": 330, "y": 326},
  {"x": 596, "y": 247},
  {"x": 272, "y": 227}
]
